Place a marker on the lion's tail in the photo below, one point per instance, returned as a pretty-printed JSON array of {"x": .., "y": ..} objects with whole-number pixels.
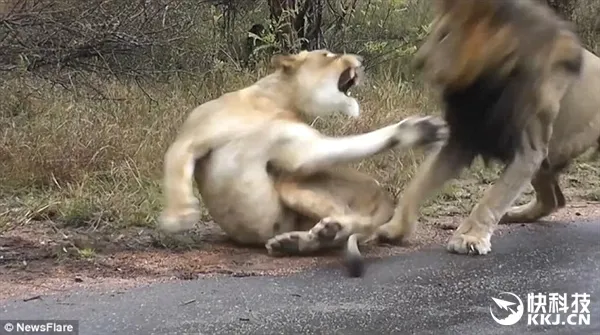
[{"x": 354, "y": 259}]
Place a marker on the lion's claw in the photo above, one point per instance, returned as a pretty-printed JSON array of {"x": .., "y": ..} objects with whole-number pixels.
[{"x": 469, "y": 245}]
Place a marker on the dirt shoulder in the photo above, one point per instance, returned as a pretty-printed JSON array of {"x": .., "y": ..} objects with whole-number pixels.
[{"x": 39, "y": 259}]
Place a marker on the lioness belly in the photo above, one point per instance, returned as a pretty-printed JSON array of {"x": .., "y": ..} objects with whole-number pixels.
[{"x": 240, "y": 197}]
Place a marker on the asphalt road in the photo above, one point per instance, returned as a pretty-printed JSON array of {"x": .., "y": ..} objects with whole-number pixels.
[{"x": 426, "y": 292}]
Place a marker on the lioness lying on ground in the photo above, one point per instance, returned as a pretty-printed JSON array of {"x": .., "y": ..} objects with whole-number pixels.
[
  {"x": 267, "y": 177},
  {"x": 518, "y": 87}
]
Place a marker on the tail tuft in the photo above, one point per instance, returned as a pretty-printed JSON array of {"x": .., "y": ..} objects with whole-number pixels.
[{"x": 354, "y": 260}]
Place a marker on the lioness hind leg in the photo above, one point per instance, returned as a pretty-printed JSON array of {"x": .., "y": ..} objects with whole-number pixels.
[
  {"x": 548, "y": 198},
  {"x": 311, "y": 206},
  {"x": 309, "y": 200},
  {"x": 293, "y": 243},
  {"x": 327, "y": 233},
  {"x": 336, "y": 220}
]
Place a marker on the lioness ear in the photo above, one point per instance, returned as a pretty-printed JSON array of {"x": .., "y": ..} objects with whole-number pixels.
[{"x": 284, "y": 62}]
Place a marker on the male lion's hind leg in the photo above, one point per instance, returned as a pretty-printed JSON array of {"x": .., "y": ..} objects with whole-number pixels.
[{"x": 548, "y": 198}]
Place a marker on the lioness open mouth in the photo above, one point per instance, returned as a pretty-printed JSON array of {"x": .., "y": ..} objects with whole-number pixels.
[{"x": 348, "y": 78}]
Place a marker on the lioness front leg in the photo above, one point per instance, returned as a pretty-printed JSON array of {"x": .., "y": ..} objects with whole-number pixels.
[
  {"x": 181, "y": 210},
  {"x": 303, "y": 150},
  {"x": 548, "y": 198}
]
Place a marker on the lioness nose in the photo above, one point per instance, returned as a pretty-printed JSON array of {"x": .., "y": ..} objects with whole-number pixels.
[{"x": 355, "y": 56}]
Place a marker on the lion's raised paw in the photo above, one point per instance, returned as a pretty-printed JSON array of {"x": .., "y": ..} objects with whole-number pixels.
[{"x": 421, "y": 131}]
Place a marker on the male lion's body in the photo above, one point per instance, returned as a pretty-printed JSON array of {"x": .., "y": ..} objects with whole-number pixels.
[
  {"x": 267, "y": 177},
  {"x": 517, "y": 87},
  {"x": 577, "y": 126}
]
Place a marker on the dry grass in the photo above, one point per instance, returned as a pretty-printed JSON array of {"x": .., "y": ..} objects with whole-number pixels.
[{"x": 97, "y": 163}]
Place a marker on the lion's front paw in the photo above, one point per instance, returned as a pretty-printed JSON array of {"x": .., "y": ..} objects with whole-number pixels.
[
  {"x": 470, "y": 244},
  {"x": 327, "y": 229},
  {"x": 174, "y": 222},
  {"x": 419, "y": 131}
]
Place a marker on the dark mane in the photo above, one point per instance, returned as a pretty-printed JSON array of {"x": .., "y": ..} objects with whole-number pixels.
[{"x": 488, "y": 116}]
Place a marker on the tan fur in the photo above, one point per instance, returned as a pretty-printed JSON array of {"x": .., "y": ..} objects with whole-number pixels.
[
  {"x": 552, "y": 118},
  {"x": 267, "y": 177}
]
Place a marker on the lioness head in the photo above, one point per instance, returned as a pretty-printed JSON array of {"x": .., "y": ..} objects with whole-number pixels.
[{"x": 321, "y": 81}]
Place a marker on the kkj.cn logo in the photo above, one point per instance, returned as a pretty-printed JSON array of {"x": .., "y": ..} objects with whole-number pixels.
[
  {"x": 513, "y": 308},
  {"x": 507, "y": 309}
]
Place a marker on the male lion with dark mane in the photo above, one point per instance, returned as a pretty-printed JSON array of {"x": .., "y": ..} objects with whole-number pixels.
[
  {"x": 268, "y": 178},
  {"x": 519, "y": 88}
]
